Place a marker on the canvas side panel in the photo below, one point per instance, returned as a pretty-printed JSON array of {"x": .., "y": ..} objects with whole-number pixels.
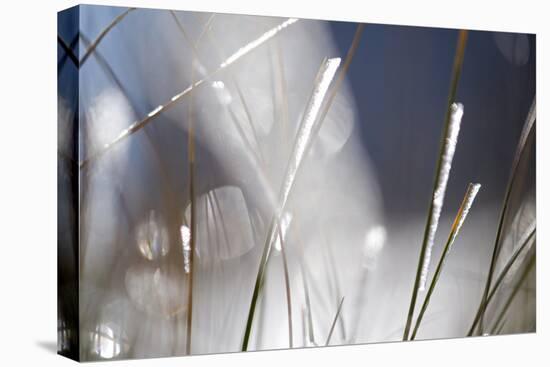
[{"x": 67, "y": 183}]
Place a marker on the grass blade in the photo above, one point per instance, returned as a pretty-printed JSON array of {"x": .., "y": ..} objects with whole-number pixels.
[
  {"x": 499, "y": 321},
  {"x": 527, "y": 127},
  {"x": 334, "y": 322},
  {"x": 193, "y": 239},
  {"x": 499, "y": 280},
  {"x": 338, "y": 83},
  {"x": 465, "y": 207},
  {"x": 457, "y": 67},
  {"x": 138, "y": 125},
  {"x": 449, "y": 147},
  {"x": 311, "y": 333},
  {"x": 267, "y": 248},
  {"x": 257, "y": 42},
  {"x": 322, "y": 82},
  {"x": 287, "y": 286},
  {"x": 102, "y": 34},
  {"x": 68, "y": 51}
]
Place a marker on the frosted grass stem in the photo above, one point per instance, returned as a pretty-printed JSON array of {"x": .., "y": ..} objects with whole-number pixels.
[
  {"x": 457, "y": 110},
  {"x": 463, "y": 211},
  {"x": 322, "y": 82},
  {"x": 267, "y": 245},
  {"x": 138, "y": 125},
  {"x": 257, "y": 42},
  {"x": 455, "y": 76}
]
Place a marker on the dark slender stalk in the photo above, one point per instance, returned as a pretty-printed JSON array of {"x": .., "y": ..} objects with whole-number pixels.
[
  {"x": 527, "y": 127},
  {"x": 68, "y": 51},
  {"x": 103, "y": 33},
  {"x": 336, "y": 283},
  {"x": 457, "y": 67},
  {"x": 499, "y": 280},
  {"x": 455, "y": 228},
  {"x": 498, "y": 323},
  {"x": 193, "y": 229},
  {"x": 334, "y": 321}
]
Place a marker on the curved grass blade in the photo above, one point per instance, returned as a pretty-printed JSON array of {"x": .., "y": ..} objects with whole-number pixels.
[
  {"x": 103, "y": 33},
  {"x": 457, "y": 67},
  {"x": 499, "y": 323},
  {"x": 499, "y": 280},
  {"x": 527, "y": 128},
  {"x": 465, "y": 207},
  {"x": 334, "y": 322},
  {"x": 271, "y": 229},
  {"x": 322, "y": 82}
]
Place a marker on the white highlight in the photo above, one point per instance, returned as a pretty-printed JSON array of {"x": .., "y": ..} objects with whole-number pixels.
[
  {"x": 186, "y": 243},
  {"x": 218, "y": 84},
  {"x": 224, "y": 97},
  {"x": 109, "y": 113},
  {"x": 104, "y": 342},
  {"x": 152, "y": 237},
  {"x": 457, "y": 110},
  {"x": 285, "y": 223},
  {"x": 375, "y": 239},
  {"x": 155, "y": 111},
  {"x": 257, "y": 42}
]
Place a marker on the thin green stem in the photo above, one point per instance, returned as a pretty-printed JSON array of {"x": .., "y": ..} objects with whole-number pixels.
[
  {"x": 459, "y": 219},
  {"x": 457, "y": 67}
]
